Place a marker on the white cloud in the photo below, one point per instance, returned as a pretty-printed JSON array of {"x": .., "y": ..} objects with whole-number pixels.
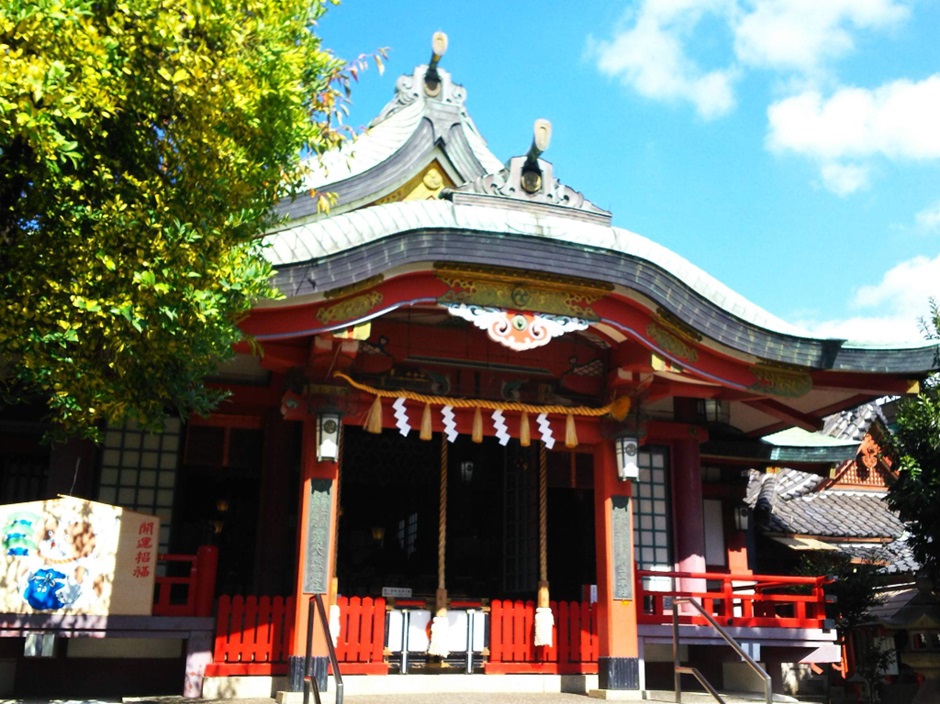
[
  {"x": 803, "y": 35},
  {"x": 929, "y": 217},
  {"x": 650, "y": 57},
  {"x": 896, "y": 121},
  {"x": 843, "y": 179},
  {"x": 891, "y": 309},
  {"x": 653, "y": 53}
]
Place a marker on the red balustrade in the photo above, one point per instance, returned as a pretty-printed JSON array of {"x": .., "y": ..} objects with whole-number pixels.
[
  {"x": 253, "y": 635},
  {"x": 755, "y": 601},
  {"x": 190, "y": 594}
]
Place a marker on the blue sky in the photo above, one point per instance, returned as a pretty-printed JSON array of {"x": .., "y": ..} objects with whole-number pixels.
[{"x": 790, "y": 148}]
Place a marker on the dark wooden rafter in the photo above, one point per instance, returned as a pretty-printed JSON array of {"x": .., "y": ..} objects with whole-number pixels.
[{"x": 786, "y": 414}]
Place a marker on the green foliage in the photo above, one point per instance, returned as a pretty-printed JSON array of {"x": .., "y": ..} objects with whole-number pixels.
[
  {"x": 915, "y": 495},
  {"x": 853, "y": 585},
  {"x": 142, "y": 146}
]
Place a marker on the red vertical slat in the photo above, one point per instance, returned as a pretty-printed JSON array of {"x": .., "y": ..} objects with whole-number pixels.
[
  {"x": 378, "y": 631},
  {"x": 365, "y": 630},
  {"x": 517, "y": 635},
  {"x": 250, "y": 628},
  {"x": 262, "y": 644},
  {"x": 527, "y": 649},
  {"x": 585, "y": 633},
  {"x": 564, "y": 626},
  {"x": 341, "y": 648},
  {"x": 575, "y": 627},
  {"x": 278, "y": 652},
  {"x": 222, "y": 629},
  {"x": 595, "y": 640},
  {"x": 237, "y": 632},
  {"x": 496, "y": 631},
  {"x": 343, "y": 603},
  {"x": 354, "y": 629}
]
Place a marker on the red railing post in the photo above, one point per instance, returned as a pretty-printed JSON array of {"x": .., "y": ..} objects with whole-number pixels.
[
  {"x": 727, "y": 590},
  {"x": 203, "y": 586}
]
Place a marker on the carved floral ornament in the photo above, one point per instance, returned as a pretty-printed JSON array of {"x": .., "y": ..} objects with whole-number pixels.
[{"x": 517, "y": 330}]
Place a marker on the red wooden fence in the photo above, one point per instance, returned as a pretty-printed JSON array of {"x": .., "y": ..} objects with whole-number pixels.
[
  {"x": 254, "y": 636},
  {"x": 360, "y": 647},
  {"x": 574, "y": 639}
]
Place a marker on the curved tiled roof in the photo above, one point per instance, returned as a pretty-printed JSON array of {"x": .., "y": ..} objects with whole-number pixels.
[
  {"x": 413, "y": 128},
  {"x": 788, "y": 502},
  {"x": 314, "y": 257}
]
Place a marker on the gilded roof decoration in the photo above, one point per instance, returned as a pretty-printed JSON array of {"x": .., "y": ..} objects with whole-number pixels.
[
  {"x": 780, "y": 380},
  {"x": 499, "y": 289},
  {"x": 357, "y": 287},
  {"x": 350, "y": 308},
  {"x": 672, "y": 343},
  {"x": 424, "y": 186}
]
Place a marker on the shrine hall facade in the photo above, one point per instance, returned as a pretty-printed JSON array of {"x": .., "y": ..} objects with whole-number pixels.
[{"x": 482, "y": 407}]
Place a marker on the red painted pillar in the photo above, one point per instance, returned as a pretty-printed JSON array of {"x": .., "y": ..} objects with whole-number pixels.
[
  {"x": 318, "y": 483},
  {"x": 688, "y": 511},
  {"x": 618, "y": 661}
]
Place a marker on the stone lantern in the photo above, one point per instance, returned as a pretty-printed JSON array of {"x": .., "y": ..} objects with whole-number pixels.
[{"x": 920, "y": 618}]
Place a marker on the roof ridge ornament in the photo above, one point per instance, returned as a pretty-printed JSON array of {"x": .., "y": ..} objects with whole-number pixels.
[
  {"x": 432, "y": 79},
  {"x": 529, "y": 181},
  {"x": 427, "y": 82},
  {"x": 531, "y": 173}
]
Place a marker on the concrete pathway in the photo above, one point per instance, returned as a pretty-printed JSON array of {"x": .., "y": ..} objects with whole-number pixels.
[
  {"x": 439, "y": 698},
  {"x": 435, "y": 698}
]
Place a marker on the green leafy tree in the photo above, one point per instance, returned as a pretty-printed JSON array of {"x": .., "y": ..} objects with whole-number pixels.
[
  {"x": 915, "y": 495},
  {"x": 143, "y": 144},
  {"x": 853, "y": 587}
]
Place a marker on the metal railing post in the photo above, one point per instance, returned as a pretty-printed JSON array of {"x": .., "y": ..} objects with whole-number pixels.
[
  {"x": 310, "y": 681},
  {"x": 405, "y": 626},
  {"x": 679, "y": 670},
  {"x": 470, "y": 613},
  {"x": 676, "y": 663}
]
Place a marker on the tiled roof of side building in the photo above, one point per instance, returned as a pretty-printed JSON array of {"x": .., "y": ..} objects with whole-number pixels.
[{"x": 787, "y": 502}]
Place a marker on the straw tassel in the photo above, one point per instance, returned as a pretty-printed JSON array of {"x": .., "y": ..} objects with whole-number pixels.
[
  {"x": 335, "y": 623},
  {"x": 426, "y": 423},
  {"x": 620, "y": 407},
  {"x": 374, "y": 418},
  {"x": 571, "y": 433},
  {"x": 477, "y": 426},
  {"x": 525, "y": 437},
  {"x": 438, "y": 644}
]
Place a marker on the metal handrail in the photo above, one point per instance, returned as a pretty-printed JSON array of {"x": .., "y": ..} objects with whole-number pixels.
[
  {"x": 309, "y": 678},
  {"x": 680, "y": 670}
]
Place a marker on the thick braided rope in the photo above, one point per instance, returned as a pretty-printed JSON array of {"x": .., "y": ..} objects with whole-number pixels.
[
  {"x": 485, "y": 403},
  {"x": 543, "y": 513},
  {"x": 442, "y": 517}
]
